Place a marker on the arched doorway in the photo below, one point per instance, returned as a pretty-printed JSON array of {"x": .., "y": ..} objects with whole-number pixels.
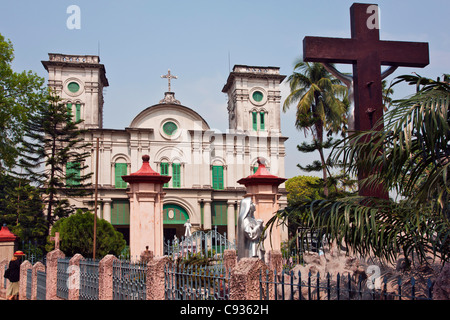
[{"x": 174, "y": 218}]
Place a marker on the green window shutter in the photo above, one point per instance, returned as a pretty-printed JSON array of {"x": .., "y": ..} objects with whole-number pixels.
[
  {"x": 120, "y": 212},
  {"x": 262, "y": 123},
  {"x": 255, "y": 120},
  {"x": 78, "y": 112},
  {"x": 73, "y": 173},
  {"x": 69, "y": 110},
  {"x": 120, "y": 169},
  {"x": 165, "y": 172},
  {"x": 202, "y": 213},
  {"x": 176, "y": 175},
  {"x": 219, "y": 214},
  {"x": 217, "y": 177}
]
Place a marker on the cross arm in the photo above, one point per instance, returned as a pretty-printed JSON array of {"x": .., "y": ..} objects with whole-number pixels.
[
  {"x": 404, "y": 54},
  {"x": 348, "y": 51},
  {"x": 329, "y": 50}
]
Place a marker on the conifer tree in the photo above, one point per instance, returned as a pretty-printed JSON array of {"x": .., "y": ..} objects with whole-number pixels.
[{"x": 53, "y": 156}]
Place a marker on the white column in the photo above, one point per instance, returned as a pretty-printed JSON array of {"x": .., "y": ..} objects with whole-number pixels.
[
  {"x": 107, "y": 210},
  {"x": 207, "y": 214},
  {"x": 231, "y": 224}
]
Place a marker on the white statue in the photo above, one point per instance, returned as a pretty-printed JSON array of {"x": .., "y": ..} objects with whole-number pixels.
[
  {"x": 187, "y": 231},
  {"x": 250, "y": 232}
]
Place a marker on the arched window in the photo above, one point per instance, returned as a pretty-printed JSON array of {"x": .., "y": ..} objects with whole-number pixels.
[
  {"x": 258, "y": 119},
  {"x": 120, "y": 169},
  {"x": 217, "y": 177}
]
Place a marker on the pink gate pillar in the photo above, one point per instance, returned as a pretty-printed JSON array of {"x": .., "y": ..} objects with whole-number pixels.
[
  {"x": 52, "y": 269},
  {"x": 23, "y": 279},
  {"x": 262, "y": 187},
  {"x": 146, "y": 206},
  {"x": 245, "y": 280}
]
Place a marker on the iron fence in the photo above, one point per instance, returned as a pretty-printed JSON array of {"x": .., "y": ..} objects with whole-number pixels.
[
  {"x": 89, "y": 276},
  {"x": 29, "y": 283},
  {"x": 196, "y": 283},
  {"x": 41, "y": 285},
  {"x": 305, "y": 241},
  {"x": 62, "y": 278},
  {"x": 208, "y": 244},
  {"x": 129, "y": 280},
  {"x": 290, "y": 286},
  {"x": 34, "y": 251}
]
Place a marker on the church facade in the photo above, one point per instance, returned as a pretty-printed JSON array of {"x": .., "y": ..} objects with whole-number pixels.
[{"x": 204, "y": 164}]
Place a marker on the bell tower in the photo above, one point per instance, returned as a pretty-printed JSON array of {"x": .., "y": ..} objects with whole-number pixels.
[
  {"x": 254, "y": 99},
  {"x": 79, "y": 81}
]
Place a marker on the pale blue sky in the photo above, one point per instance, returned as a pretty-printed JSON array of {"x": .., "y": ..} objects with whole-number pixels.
[{"x": 140, "y": 40}]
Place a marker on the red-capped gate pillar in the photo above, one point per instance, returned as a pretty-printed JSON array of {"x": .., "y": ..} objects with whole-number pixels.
[
  {"x": 262, "y": 187},
  {"x": 7, "y": 243},
  {"x": 146, "y": 210}
]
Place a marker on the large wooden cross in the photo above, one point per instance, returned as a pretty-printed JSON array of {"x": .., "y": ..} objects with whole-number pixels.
[{"x": 367, "y": 53}]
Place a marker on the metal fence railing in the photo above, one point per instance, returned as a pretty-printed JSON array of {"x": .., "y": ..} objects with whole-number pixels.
[
  {"x": 34, "y": 251},
  {"x": 196, "y": 283},
  {"x": 129, "y": 280},
  {"x": 208, "y": 244},
  {"x": 29, "y": 283},
  {"x": 41, "y": 285},
  {"x": 290, "y": 286},
  {"x": 89, "y": 277},
  {"x": 62, "y": 278}
]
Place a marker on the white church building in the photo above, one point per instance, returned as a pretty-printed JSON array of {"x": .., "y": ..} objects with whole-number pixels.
[{"x": 205, "y": 165}]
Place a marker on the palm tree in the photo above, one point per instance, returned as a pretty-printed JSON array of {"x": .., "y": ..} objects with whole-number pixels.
[
  {"x": 415, "y": 161},
  {"x": 315, "y": 92}
]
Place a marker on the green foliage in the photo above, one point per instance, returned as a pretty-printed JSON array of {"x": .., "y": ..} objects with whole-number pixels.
[
  {"x": 316, "y": 93},
  {"x": 52, "y": 142},
  {"x": 196, "y": 259},
  {"x": 411, "y": 153},
  {"x": 303, "y": 188},
  {"x": 21, "y": 208},
  {"x": 76, "y": 236},
  {"x": 20, "y": 95}
]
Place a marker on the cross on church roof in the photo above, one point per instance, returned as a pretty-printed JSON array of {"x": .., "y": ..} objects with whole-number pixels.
[{"x": 169, "y": 76}]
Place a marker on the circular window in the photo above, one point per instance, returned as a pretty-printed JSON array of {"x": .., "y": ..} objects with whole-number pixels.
[
  {"x": 170, "y": 128},
  {"x": 257, "y": 96},
  {"x": 73, "y": 87}
]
